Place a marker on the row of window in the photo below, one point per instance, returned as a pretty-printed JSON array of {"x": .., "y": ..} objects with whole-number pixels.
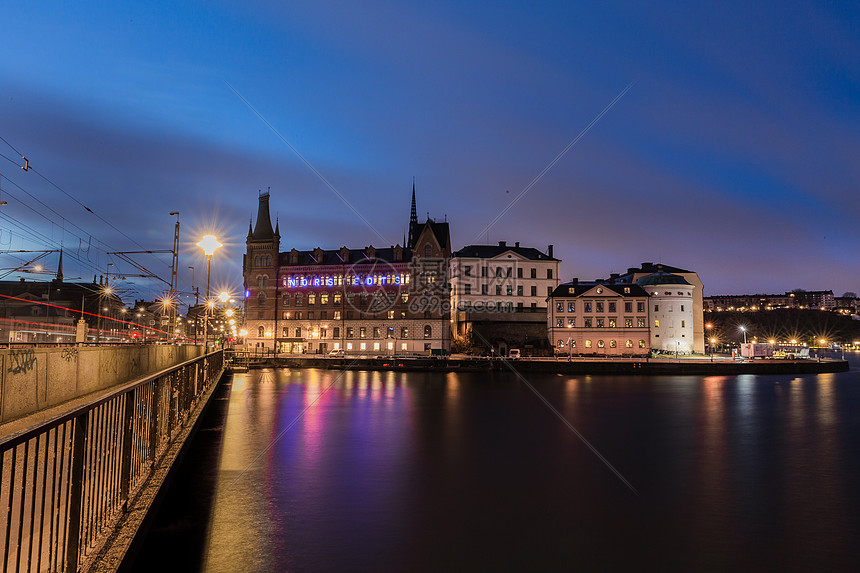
[
  {"x": 601, "y": 322},
  {"x": 337, "y": 298},
  {"x": 509, "y": 290},
  {"x": 599, "y": 306},
  {"x": 504, "y": 271},
  {"x": 338, "y": 315},
  {"x": 657, "y": 308},
  {"x": 263, "y": 261},
  {"x": 601, "y": 344},
  {"x": 349, "y": 332}
]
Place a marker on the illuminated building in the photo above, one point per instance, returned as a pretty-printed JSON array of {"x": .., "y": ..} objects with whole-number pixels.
[{"x": 369, "y": 301}]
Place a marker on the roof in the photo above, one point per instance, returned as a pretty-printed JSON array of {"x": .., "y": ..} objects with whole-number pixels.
[
  {"x": 563, "y": 290},
  {"x": 333, "y": 257},
  {"x": 492, "y": 251},
  {"x": 661, "y": 278}
]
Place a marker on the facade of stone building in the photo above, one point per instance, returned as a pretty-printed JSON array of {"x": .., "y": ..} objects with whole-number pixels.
[{"x": 365, "y": 302}]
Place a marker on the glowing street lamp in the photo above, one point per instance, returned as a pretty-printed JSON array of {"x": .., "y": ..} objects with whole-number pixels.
[
  {"x": 744, "y": 330},
  {"x": 209, "y": 243}
]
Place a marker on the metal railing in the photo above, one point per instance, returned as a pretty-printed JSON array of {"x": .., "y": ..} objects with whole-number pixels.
[{"x": 66, "y": 483}]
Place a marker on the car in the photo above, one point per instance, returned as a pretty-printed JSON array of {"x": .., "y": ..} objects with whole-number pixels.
[
  {"x": 514, "y": 353},
  {"x": 336, "y": 354}
]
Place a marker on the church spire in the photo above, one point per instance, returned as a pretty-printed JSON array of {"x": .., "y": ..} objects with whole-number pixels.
[
  {"x": 263, "y": 228},
  {"x": 413, "y": 220},
  {"x": 60, "y": 268}
]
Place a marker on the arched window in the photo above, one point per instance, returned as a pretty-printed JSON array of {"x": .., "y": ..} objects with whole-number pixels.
[
  {"x": 259, "y": 280},
  {"x": 629, "y": 344},
  {"x": 641, "y": 344},
  {"x": 261, "y": 298},
  {"x": 612, "y": 344},
  {"x": 269, "y": 260},
  {"x": 560, "y": 344},
  {"x": 428, "y": 332},
  {"x": 600, "y": 344},
  {"x": 260, "y": 332},
  {"x": 286, "y": 300},
  {"x": 426, "y": 250},
  {"x": 299, "y": 299},
  {"x": 257, "y": 261},
  {"x": 265, "y": 280}
]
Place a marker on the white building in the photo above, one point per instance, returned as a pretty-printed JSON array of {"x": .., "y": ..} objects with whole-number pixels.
[
  {"x": 671, "y": 312},
  {"x": 502, "y": 290}
]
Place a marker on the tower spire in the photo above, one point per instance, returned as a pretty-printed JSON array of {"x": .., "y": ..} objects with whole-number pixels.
[
  {"x": 413, "y": 220},
  {"x": 60, "y": 268}
]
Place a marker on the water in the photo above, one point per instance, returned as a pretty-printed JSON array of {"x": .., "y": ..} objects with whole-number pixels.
[{"x": 325, "y": 471}]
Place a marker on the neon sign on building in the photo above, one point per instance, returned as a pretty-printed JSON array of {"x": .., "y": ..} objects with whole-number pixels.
[{"x": 358, "y": 280}]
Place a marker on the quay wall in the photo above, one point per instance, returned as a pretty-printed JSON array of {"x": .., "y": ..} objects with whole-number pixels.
[
  {"x": 32, "y": 379},
  {"x": 636, "y": 367}
]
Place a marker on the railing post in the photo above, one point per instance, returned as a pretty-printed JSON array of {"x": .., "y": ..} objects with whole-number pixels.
[
  {"x": 76, "y": 486},
  {"x": 128, "y": 434}
]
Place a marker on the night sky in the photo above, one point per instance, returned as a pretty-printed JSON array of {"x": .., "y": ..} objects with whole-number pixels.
[{"x": 735, "y": 152}]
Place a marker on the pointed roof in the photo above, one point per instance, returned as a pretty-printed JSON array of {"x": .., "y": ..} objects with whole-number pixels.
[
  {"x": 413, "y": 221},
  {"x": 263, "y": 230},
  {"x": 59, "y": 278}
]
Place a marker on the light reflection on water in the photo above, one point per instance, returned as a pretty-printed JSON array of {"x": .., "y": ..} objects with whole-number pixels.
[{"x": 425, "y": 471}]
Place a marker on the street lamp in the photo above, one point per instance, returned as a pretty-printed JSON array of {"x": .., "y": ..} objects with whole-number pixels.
[
  {"x": 744, "y": 330},
  {"x": 208, "y": 244},
  {"x": 710, "y": 327}
]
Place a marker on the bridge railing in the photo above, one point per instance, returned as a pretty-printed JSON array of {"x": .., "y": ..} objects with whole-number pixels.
[{"x": 65, "y": 484}]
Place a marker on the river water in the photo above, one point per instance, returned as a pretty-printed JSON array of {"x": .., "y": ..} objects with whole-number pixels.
[{"x": 323, "y": 470}]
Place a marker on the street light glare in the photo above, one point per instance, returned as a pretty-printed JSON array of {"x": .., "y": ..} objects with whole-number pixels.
[{"x": 209, "y": 244}]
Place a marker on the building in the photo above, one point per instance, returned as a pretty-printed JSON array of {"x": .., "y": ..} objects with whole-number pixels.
[
  {"x": 48, "y": 311},
  {"x": 671, "y": 312},
  {"x": 499, "y": 294},
  {"x": 802, "y": 299},
  {"x": 599, "y": 318},
  {"x": 366, "y": 301},
  {"x": 633, "y": 274}
]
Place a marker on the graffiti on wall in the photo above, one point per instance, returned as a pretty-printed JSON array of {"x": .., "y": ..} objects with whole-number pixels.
[{"x": 21, "y": 360}]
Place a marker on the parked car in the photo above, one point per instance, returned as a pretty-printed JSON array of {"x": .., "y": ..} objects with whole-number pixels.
[
  {"x": 336, "y": 354},
  {"x": 514, "y": 353}
]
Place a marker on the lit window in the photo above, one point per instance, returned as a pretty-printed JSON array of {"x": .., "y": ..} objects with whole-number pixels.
[
  {"x": 656, "y": 323},
  {"x": 640, "y": 322},
  {"x": 612, "y": 344},
  {"x": 559, "y": 322},
  {"x": 629, "y": 344},
  {"x": 349, "y": 345},
  {"x": 376, "y": 346},
  {"x": 588, "y": 344},
  {"x": 402, "y": 346},
  {"x": 571, "y": 322},
  {"x": 601, "y": 344},
  {"x": 641, "y": 344},
  {"x": 363, "y": 346}
]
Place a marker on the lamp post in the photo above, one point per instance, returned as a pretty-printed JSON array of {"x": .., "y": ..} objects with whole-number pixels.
[
  {"x": 744, "y": 330},
  {"x": 209, "y": 243},
  {"x": 709, "y": 327}
]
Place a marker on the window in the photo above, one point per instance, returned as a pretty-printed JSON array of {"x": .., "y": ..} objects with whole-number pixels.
[
  {"x": 612, "y": 323},
  {"x": 286, "y": 315},
  {"x": 587, "y": 323},
  {"x": 349, "y": 314},
  {"x": 519, "y": 290},
  {"x": 312, "y": 298},
  {"x": 467, "y": 270},
  {"x": 640, "y": 307},
  {"x": 509, "y": 290},
  {"x": 403, "y": 346},
  {"x": 641, "y": 344},
  {"x": 404, "y": 297},
  {"x": 549, "y": 273},
  {"x": 656, "y": 307},
  {"x": 559, "y": 307},
  {"x": 588, "y": 344},
  {"x": 560, "y": 344},
  {"x": 299, "y": 332},
  {"x": 601, "y": 344},
  {"x": 611, "y": 307},
  {"x": 483, "y": 271},
  {"x": 640, "y": 322},
  {"x": 390, "y": 333},
  {"x": 427, "y": 251},
  {"x": 612, "y": 344},
  {"x": 349, "y": 332},
  {"x": 376, "y": 332},
  {"x": 682, "y": 324},
  {"x": 519, "y": 272},
  {"x": 362, "y": 332},
  {"x": 587, "y": 306},
  {"x": 337, "y": 298},
  {"x": 534, "y": 290},
  {"x": 559, "y": 322},
  {"x": 349, "y": 345},
  {"x": 533, "y": 305},
  {"x": 628, "y": 307},
  {"x": 571, "y": 322},
  {"x": 311, "y": 315},
  {"x": 336, "y": 315},
  {"x": 484, "y": 289},
  {"x": 363, "y": 346},
  {"x": 599, "y": 307},
  {"x": 628, "y": 344},
  {"x": 404, "y": 332},
  {"x": 498, "y": 271},
  {"x": 324, "y": 315},
  {"x": 336, "y": 332},
  {"x": 571, "y": 307},
  {"x": 286, "y": 300},
  {"x": 260, "y": 332},
  {"x": 656, "y": 323},
  {"x": 682, "y": 308},
  {"x": 510, "y": 272},
  {"x": 323, "y": 298},
  {"x": 626, "y": 290},
  {"x": 599, "y": 323},
  {"x": 467, "y": 289},
  {"x": 261, "y": 299},
  {"x": 428, "y": 332},
  {"x": 534, "y": 273},
  {"x": 299, "y": 315},
  {"x": 299, "y": 299},
  {"x": 499, "y": 289},
  {"x": 390, "y": 315},
  {"x": 628, "y": 323},
  {"x": 285, "y": 333}
]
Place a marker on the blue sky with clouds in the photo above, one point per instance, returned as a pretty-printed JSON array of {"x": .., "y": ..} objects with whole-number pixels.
[{"x": 735, "y": 153}]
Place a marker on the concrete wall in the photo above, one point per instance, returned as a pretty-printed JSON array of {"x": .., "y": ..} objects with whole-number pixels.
[{"x": 32, "y": 379}]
